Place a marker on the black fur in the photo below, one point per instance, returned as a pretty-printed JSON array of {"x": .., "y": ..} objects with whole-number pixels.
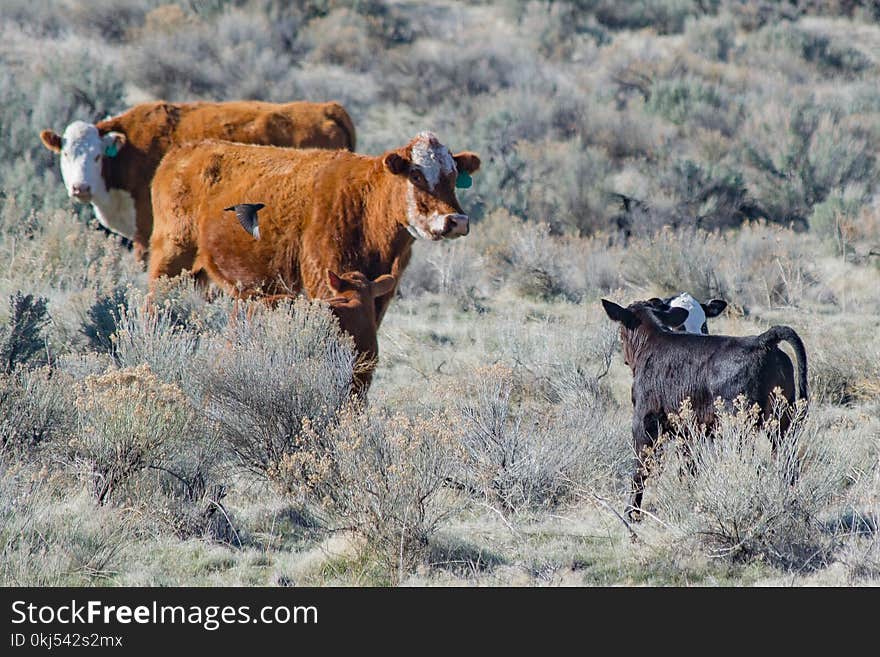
[{"x": 669, "y": 367}]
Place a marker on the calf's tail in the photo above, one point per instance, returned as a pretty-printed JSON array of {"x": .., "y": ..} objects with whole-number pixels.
[{"x": 777, "y": 334}]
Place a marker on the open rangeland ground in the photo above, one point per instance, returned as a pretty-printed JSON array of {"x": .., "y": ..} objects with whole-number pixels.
[{"x": 177, "y": 447}]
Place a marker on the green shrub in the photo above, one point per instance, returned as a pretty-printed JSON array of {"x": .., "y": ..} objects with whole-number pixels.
[
  {"x": 382, "y": 476},
  {"x": 103, "y": 319},
  {"x": 21, "y": 340},
  {"x": 828, "y": 55},
  {"x": 37, "y": 410}
]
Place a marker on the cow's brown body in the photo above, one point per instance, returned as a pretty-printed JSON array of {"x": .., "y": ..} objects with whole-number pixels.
[
  {"x": 323, "y": 211},
  {"x": 151, "y": 129}
]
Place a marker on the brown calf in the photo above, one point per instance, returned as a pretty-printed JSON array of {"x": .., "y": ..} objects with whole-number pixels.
[{"x": 354, "y": 306}]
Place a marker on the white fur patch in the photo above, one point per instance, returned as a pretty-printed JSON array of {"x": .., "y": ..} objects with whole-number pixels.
[
  {"x": 116, "y": 211},
  {"x": 696, "y": 316},
  {"x": 82, "y": 151},
  {"x": 414, "y": 220},
  {"x": 432, "y": 157}
]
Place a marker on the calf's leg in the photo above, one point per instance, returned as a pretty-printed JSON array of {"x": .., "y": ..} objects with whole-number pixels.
[{"x": 646, "y": 427}]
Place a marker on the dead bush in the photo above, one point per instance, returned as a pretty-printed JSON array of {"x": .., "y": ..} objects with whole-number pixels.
[{"x": 727, "y": 495}]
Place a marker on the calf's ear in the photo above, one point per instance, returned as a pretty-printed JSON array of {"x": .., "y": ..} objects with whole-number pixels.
[
  {"x": 714, "y": 308},
  {"x": 396, "y": 164},
  {"x": 383, "y": 285},
  {"x": 335, "y": 281},
  {"x": 672, "y": 317},
  {"x": 620, "y": 314},
  {"x": 113, "y": 143},
  {"x": 467, "y": 162},
  {"x": 51, "y": 140}
]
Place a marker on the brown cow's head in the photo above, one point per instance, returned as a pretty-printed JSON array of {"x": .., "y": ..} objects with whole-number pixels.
[{"x": 431, "y": 172}]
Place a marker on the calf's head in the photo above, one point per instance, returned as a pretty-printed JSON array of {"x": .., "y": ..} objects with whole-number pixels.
[
  {"x": 431, "y": 173},
  {"x": 83, "y": 149},
  {"x": 698, "y": 313},
  {"x": 353, "y": 290},
  {"x": 639, "y": 321}
]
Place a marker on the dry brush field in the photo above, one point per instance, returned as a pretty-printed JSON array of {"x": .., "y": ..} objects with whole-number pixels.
[{"x": 179, "y": 448}]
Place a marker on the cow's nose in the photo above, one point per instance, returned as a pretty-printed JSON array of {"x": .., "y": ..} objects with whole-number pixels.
[
  {"x": 456, "y": 225},
  {"x": 81, "y": 190}
]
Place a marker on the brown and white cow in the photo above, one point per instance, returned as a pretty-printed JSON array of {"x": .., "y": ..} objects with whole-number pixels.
[
  {"x": 110, "y": 164},
  {"x": 323, "y": 210}
]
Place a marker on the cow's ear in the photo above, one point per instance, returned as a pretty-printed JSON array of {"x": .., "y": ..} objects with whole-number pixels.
[
  {"x": 113, "y": 143},
  {"x": 396, "y": 164},
  {"x": 467, "y": 162},
  {"x": 51, "y": 140},
  {"x": 383, "y": 285},
  {"x": 620, "y": 314},
  {"x": 714, "y": 308},
  {"x": 672, "y": 317}
]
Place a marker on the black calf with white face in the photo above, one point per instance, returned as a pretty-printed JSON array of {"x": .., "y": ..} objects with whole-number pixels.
[{"x": 698, "y": 313}]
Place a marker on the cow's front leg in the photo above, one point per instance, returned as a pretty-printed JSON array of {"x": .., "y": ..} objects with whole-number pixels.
[
  {"x": 645, "y": 431},
  {"x": 143, "y": 229},
  {"x": 141, "y": 250}
]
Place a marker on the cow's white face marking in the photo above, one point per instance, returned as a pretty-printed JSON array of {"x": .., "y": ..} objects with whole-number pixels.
[
  {"x": 82, "y": 159},
  {"x": 82, "y": 152},
  {"x": 696, "y": 316},
  {"x": 116, "y": 212},
  {"x": 416, "y": 223},
  {"x": 432, "y": 157}
]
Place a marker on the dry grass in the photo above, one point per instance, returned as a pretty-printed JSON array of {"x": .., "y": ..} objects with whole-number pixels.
[{"x": 496, "y": 446}]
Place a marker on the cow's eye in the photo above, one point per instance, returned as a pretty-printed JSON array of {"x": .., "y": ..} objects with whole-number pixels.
[{"x": 416, "y": 176}]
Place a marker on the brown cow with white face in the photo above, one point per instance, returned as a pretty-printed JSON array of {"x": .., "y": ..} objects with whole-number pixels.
[
  {"x": 110, "y": 164},
  {"x": 323, "y": 210}
]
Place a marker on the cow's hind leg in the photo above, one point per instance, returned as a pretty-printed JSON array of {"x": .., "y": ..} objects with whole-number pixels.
[{"x": 781, "y": 408}]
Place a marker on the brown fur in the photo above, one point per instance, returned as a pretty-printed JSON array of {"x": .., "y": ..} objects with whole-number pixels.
[
  {"x": 151, "y": 129},
  {"x": 324, "y": 210}
]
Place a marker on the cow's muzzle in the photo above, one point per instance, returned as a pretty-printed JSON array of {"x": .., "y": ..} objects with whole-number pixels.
[
  {"x": 452, "y": 225},
  {"x": 81, "y": 192}
]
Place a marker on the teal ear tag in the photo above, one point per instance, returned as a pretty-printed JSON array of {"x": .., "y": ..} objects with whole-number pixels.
[
  {"x": 464, "y": 180},
  {"x": 112, "y": 150}
]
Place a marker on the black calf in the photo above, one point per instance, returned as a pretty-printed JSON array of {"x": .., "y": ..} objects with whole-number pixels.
[{"x": 670, "y": 367}]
